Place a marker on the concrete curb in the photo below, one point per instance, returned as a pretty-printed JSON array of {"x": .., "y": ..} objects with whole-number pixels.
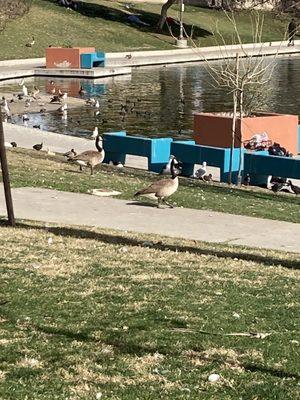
[{"x": 155, "y": 57}]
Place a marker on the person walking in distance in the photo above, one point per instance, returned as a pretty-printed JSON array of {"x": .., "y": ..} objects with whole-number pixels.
[{"x": 292, "y": 29}]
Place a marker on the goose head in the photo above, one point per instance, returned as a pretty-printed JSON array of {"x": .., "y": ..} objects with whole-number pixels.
[{"x": 176, "y": 167}]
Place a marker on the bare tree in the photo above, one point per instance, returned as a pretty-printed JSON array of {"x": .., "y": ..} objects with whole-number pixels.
[{"x": 246, "y": 78}]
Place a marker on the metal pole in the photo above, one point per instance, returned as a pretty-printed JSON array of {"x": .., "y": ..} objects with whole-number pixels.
[
  {"x": 5, "y": 176},
  {"x": 181, "y": 20}
]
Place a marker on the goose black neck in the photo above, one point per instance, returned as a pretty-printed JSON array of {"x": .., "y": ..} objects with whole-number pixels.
[
  {"x": 173, "y": 170},
  {"x": 98, "y": 147}
]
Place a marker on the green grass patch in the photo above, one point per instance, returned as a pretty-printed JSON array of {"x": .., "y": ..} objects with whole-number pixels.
[
  {"x": 103, "y": 24},
  {"x": 33, "y": 169},
  {"x": 99, "y": 313}
]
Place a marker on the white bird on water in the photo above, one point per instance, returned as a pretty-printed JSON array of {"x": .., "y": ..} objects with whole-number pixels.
[
  {"x": 97, "y": 105},
  {"x": 201, "y": 171},
  {"x": 25, "y": 90}
]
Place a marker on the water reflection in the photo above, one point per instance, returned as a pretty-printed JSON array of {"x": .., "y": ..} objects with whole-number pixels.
[{"x": 160, "y": 101}]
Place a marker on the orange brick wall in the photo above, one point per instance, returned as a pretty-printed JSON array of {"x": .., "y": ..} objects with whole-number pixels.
[
  {"x": 215, "y": 130},
  {"x": 59, "y": 57}
]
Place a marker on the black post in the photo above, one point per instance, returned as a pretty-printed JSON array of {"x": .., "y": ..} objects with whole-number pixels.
[{"x": 5, "y": 176}]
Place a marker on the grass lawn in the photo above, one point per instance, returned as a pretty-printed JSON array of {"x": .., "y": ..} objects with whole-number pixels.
[
  {"x": 33, "y": 169},
  {"x": 96, "y": 314},
  {"x": 103, "y": 24}
]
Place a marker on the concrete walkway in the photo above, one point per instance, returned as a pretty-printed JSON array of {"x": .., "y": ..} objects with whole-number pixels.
[
  {"x": 83, "y": 209},
  {"x": 21, "y": 68}
]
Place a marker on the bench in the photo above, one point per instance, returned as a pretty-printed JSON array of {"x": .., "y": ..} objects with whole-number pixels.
[
  {"x": 90, "y": 60},
  {"x": 261, "y": 165},
  {"x": 190, "y": 154},
  {"x": 117, "y": 145}
]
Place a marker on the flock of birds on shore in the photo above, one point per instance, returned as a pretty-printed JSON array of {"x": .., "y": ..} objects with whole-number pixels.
[{"x": 161, "y": 189}]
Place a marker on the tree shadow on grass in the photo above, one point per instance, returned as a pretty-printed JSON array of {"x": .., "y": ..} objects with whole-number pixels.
[
  {"x": 121, "y": 345},
  {"x": 271, "y": 371},
  {"x": 242, "y": 253},
  {"x": 93, "y": 10}
]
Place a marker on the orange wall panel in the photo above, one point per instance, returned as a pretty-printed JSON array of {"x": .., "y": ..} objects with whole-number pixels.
[
  {"x": 215, "y": 130},
  {"x": 59, "y": 57}
]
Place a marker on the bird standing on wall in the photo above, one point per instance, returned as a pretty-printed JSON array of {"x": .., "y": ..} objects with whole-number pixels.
[
  {"x": 201, "y": 171},
  {"x": 163, "y": 188}
]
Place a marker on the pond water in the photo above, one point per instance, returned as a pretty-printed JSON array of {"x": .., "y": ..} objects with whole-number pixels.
[{"x": 160, "y": 101}]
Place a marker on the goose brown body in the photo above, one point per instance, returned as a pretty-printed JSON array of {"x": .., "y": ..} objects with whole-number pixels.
[
  {"x": 90, "y": 158},
  {"x": 163, "y": 188}
]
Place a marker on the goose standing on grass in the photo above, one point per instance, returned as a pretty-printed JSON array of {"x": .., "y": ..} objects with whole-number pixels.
[
  {"x": 90, "y": 158},
  {"x": 164, "y": 188}
]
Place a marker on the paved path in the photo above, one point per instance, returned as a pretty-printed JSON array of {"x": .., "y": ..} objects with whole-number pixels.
[
  {"x": 82, "y": 209},
  {"x": 19, "y": 68}
]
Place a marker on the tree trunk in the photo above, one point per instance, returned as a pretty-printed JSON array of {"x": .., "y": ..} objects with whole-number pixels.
[
  {"x": 233, "y": 127},
  {"x": 241, "y": 159},
  {"x": 163, "y": 14}
]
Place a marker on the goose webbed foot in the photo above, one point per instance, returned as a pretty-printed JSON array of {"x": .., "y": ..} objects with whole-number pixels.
[{"x": 168, "y": 204}]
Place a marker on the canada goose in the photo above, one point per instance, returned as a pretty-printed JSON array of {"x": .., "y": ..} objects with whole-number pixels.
[
  {"x": 81, "y": 91},
  {"x": 164, "y": 188},
  {"x": 90, "y": 158},
  {"x": 37, "y": 126},
  {"x": 55, "y": 99},
  {"x": 201, "y": 171},
  {"x": 25, "y": 90},
  {"x": 30, "y": 44},
  {"x": 13, "y": 144},
  {"x": 25, "y": 117},
  {"x": 167, "y": 168},
  {"x": 20, "y": 96},
  {"x": 43, "y": 110},
  {"x": 295, "y": 189},
  {"x": 38, "y": 147}
]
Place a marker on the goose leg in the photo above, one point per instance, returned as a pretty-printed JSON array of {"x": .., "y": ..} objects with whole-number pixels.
[
  {"x": 80, "y": 168},
  {"x": 159, "y": 201},
  {"x": 92, "y": 170},
  {"x": 168, "y": 204}
]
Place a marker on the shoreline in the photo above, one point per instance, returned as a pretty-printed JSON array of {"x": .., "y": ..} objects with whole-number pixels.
[{"x": 14, "y": 69}]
